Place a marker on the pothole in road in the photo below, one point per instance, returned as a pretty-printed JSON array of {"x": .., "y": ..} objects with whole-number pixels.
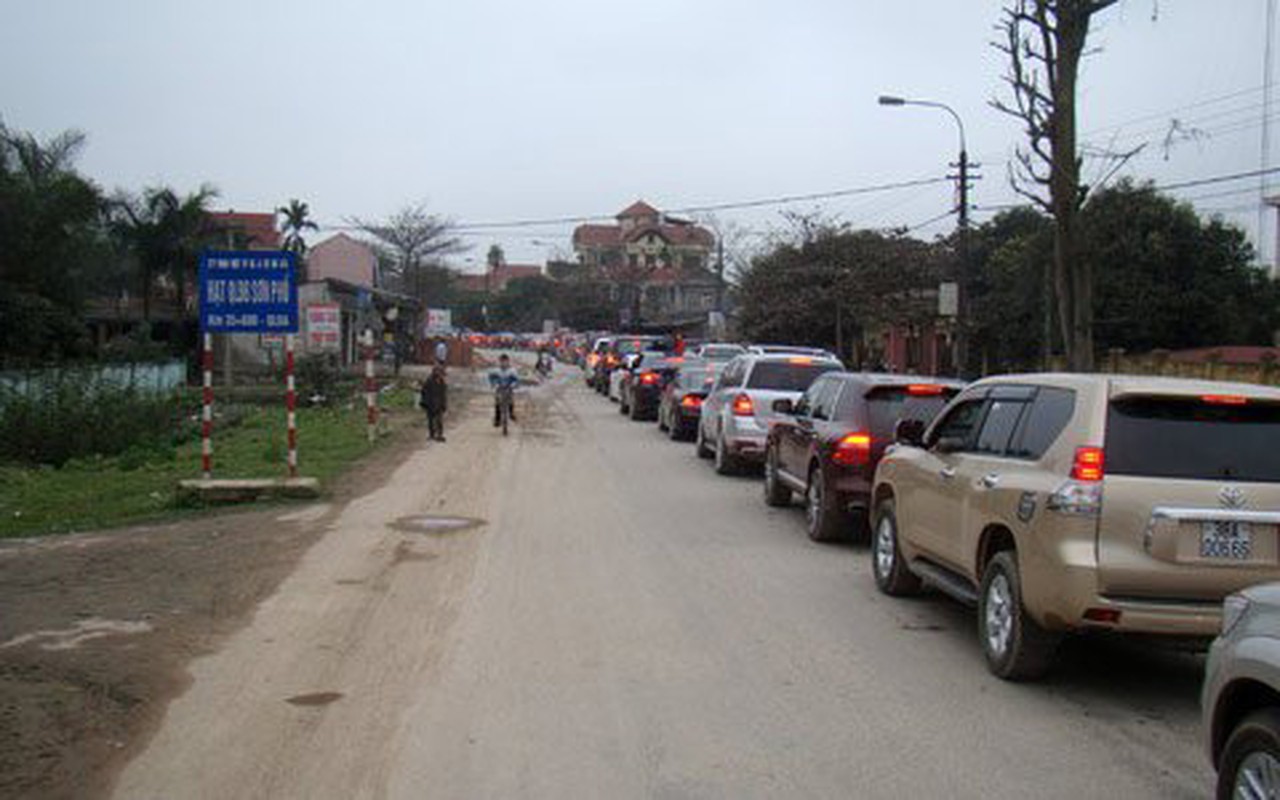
[
  {"x": 436, "y": 525},
  {"x": 314, "y": 699}
]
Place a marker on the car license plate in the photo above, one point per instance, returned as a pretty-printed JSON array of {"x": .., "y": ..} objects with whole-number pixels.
[{"x": 1226, "y": 539}]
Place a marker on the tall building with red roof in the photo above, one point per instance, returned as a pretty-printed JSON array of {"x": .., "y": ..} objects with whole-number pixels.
[
  {"x": 658, "y": 266},
  {"x": 255, "y": 231}
]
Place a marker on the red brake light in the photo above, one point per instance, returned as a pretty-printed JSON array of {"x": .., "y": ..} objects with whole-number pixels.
[
  {"x": 611, "y": 360},
  {"x": 799, "y": 360},
  {"x": 1088, "y": 464},
  {"x": 649, "y": 378},
  {"x": 691, "y": 401},
  {"x": 853, "y": 449},
  {"x": 1225, "y": 399},
  {"x": 924, "y": 389},
  {"x": 743, "y": 407}
]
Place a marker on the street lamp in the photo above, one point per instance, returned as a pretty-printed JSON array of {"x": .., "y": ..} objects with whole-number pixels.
[{"x": 962, "y": 219}]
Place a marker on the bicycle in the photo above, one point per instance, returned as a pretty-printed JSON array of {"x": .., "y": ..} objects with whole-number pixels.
[{"x": 506, "y": 397}]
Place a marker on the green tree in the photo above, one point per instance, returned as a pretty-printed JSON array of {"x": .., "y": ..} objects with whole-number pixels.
[
  {"x": 51, "y": 243},
  {"x": 165, "y": 232},
  {"x": 1012, "y": 255},
  {"x": 297, "y": 221},
  {"x": 1169, "y": 279}
]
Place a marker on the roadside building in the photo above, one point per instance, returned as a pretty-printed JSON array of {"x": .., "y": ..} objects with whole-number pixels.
[{"x": 657, "y": 267}]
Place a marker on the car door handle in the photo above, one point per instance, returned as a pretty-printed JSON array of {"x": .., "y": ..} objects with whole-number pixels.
[
  {"x": 947, "y": 473},
  {"x": 989, "y": 481}
]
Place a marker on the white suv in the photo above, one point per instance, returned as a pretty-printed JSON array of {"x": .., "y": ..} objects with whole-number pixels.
[{"x": 734, "y": 424}]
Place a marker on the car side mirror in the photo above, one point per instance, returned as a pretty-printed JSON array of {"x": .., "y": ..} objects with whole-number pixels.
[
  {"x": 784, "y": 406},
  {"x": 909, "y": 432}
]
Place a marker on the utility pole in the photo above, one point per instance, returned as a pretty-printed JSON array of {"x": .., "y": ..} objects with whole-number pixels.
[{"x": 962, "y": 278}]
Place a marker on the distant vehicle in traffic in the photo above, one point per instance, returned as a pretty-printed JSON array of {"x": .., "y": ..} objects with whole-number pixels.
[
  {"x": 788, "y": 349},
  {"x": 680, "y": 406},
  {"x": 826, "y": 445},
  {"x": 1064, "y": 502},
  {"x": 1240, "y": 700},
  {"x": 735, "y": 417},
  {"x": 641, "y": 387},
  {"x": 718, "y": 351}
]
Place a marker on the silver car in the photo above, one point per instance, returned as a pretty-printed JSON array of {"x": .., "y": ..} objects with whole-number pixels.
[
  {"x": 735, "y": 419},
  {"x": 1240, "y": 702}
]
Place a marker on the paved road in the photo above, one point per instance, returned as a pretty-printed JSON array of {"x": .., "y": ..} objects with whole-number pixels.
[{"x": 626, "y": 624}]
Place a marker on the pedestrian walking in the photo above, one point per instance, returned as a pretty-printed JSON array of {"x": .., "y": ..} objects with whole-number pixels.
[{"x": 434, "y": 400}]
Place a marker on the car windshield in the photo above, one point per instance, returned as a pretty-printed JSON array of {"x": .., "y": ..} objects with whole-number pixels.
[
  {"x": 1190, "y": 437},
  {"x": 787, "y": 376}
]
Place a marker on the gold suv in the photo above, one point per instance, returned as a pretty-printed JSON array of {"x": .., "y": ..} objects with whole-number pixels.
[{"x": 1059, "y": 503}]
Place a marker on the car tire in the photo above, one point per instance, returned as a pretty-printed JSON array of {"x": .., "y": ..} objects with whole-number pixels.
[
  {"x": 1015, "y": 646},
  {"x": 700, "y": 444},
  {"x": 622, "y": 402},
  {"x": 776, "y": 494},
  {"x": 822, "y": 516},
  {"x": 1253, "y": 746},
  {"x": 887, "y": 566},
  {"x": 676, "y": 430},
  {"x": 726, "y": 463},
  {"x": 634, "y": 411}
]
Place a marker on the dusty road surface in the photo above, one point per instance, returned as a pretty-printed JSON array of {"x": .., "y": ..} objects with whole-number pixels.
[{"x": 619, "y": 622}]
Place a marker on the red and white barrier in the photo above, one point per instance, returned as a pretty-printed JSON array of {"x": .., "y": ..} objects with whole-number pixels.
[
  {"x": 370, "y": 393},
  {"x": 206, "y": 413},
  {"x": 291, "y": 404}
]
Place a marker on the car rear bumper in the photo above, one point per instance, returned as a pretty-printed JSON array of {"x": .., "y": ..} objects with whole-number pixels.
[{"x": 747, "y": 447}]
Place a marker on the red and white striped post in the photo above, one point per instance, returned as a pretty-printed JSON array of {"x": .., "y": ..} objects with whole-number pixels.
[
  {"x": 370, "y": 392},
  {"x": 291, "y": 404},
  {"x": 206, "y": 413}
]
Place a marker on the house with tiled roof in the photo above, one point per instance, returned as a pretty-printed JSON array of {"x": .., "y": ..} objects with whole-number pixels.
[
  {"x": 657, "y": 266},
  {"x": 252, "y": 230}
]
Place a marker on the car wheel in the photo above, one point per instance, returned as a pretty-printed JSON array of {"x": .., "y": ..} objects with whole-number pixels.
[
  {"x": 821, "y": 513},
  {"x": 726, "y": 464},
  {"x": 634, "y": 411},
  {"x": 700, "y": 444},
  {"x": 1015, "y": 646},
  {"x": 622, "y": 402},
  {"x": 1250, "y": 763},
  {"x": 888, "y": 568},
  {"x": 775, "y": 493},
  {"x": 676, "y": 430}
]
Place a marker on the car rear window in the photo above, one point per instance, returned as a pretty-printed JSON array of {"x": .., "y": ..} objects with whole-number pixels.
[
  {"x": 785, "y": 376},
  {"x": 1188, "y": 437},
  {"x": 888, "y": 405}
]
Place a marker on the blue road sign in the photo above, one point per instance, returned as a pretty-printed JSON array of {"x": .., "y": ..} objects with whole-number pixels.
[{"x": 248, "y": 291}]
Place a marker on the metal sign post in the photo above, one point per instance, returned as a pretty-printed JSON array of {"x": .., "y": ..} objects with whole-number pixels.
[{"x": 247, "y": 291}]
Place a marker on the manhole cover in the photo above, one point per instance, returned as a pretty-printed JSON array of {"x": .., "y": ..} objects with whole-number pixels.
[{"x": 434, "y": 524}]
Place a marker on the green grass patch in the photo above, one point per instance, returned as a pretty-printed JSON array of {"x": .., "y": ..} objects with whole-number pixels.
[{"x": 138, "y": 484}]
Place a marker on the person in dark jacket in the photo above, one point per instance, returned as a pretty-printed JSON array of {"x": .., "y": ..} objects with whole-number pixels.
[{"x": 434, "y": 400}]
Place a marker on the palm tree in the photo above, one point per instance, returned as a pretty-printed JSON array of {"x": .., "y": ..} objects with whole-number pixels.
[
  {"x": 166, "y": 233},
  {"x": 296, "y": 220}
]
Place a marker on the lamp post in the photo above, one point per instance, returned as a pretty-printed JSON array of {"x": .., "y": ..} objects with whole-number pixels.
[{"x": 962, "y": 277}]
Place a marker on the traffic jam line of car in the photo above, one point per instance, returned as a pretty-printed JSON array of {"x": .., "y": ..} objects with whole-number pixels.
[{"x": 1053, "y": 504}]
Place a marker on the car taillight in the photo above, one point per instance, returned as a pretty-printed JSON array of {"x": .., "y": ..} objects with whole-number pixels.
[
  {"x": 1225, "y": 399},
  {"x": 743, "y": 407},
  {"x": 691, "y": 401},
  {"x": 800, "y": 360},
  {"x": 1087, "y": 465},
  {"x": 611, "y": 361},
  {"x": 592, "y": 359},
  {"x": 649, "y": 378},
  {"x": 852, "y": 450},
  {"x": 924, "y": 389}
]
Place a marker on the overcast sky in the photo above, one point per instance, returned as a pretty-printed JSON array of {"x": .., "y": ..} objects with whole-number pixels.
[{"x": 501, "y": 110}]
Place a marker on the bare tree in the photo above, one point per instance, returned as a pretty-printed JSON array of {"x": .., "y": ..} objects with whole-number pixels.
[
  {"x": 412, "y": 239},
  {"x": 1044, "y": 41}
]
